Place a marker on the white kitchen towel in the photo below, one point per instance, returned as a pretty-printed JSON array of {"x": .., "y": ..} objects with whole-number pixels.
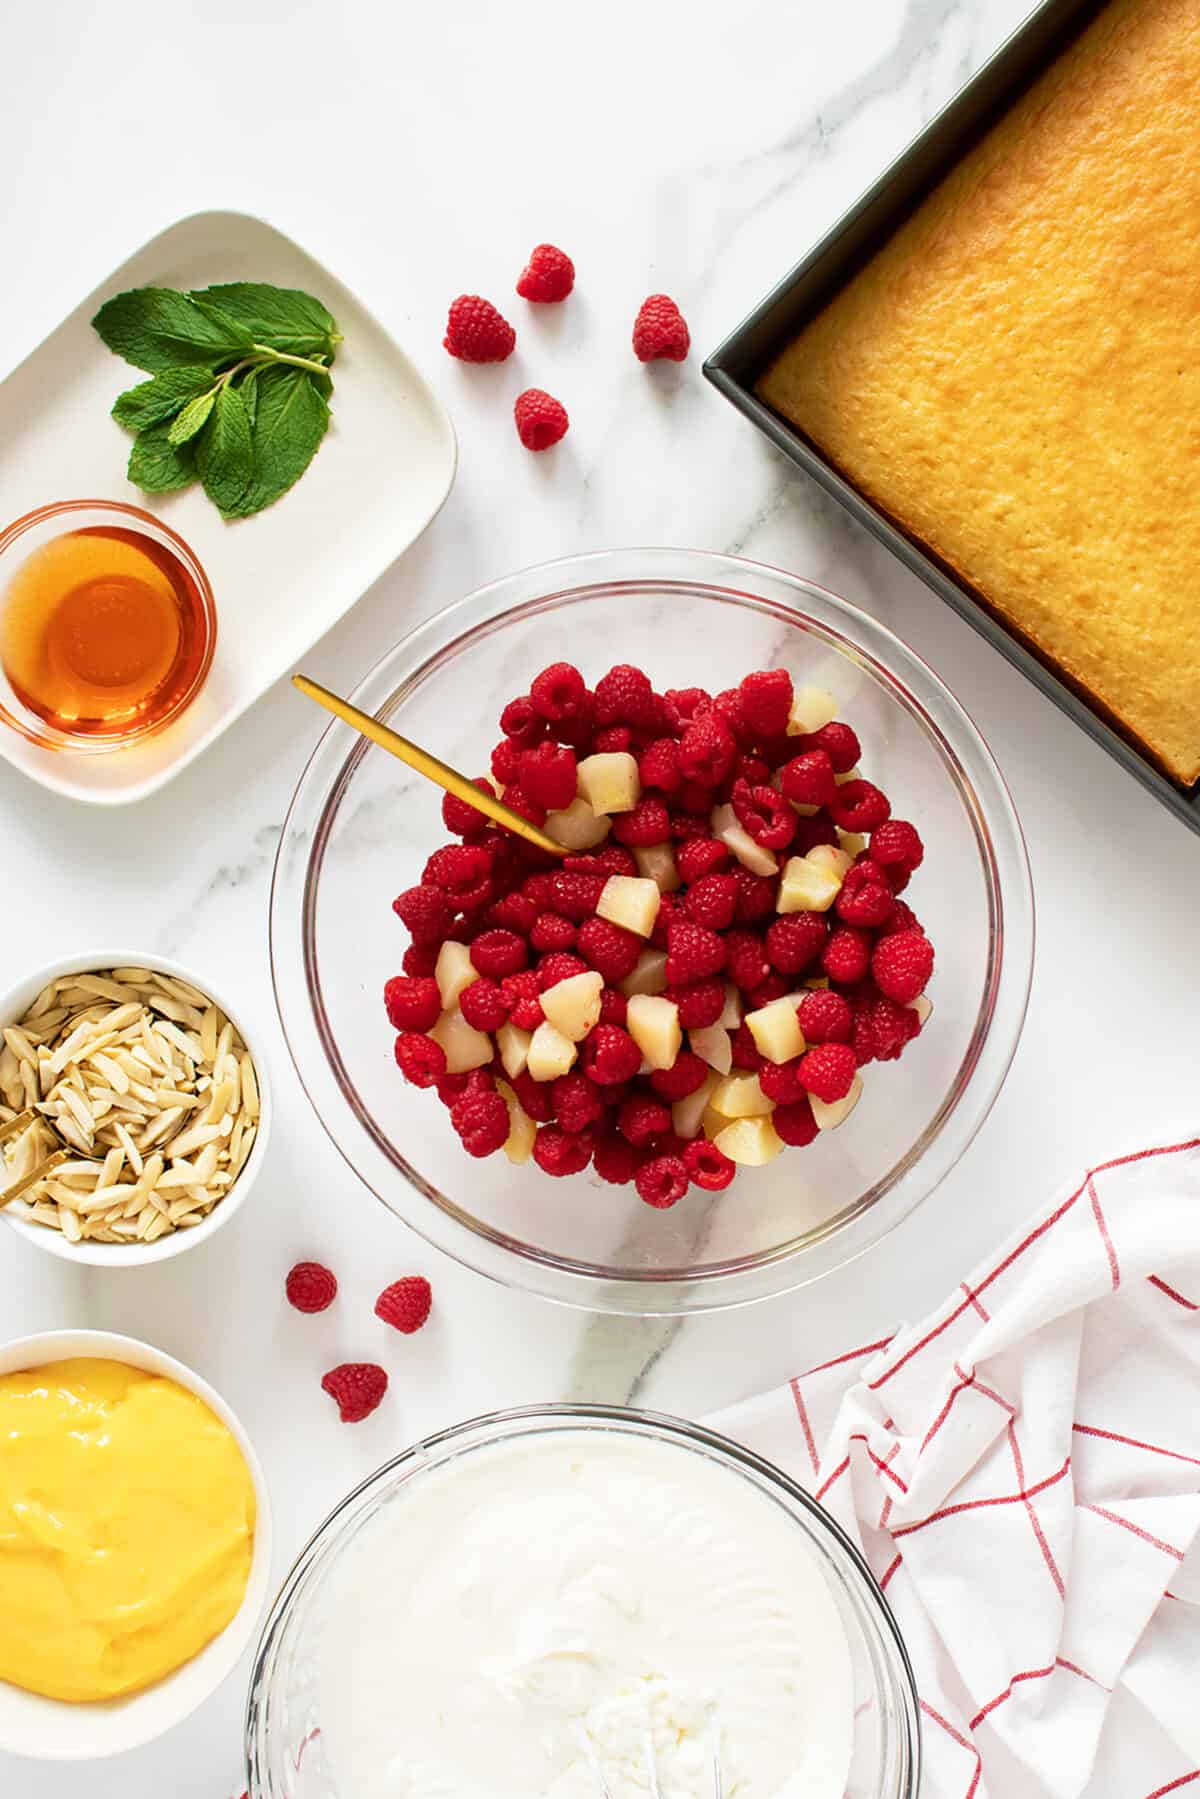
[{"x": 1021, "y": 1470}]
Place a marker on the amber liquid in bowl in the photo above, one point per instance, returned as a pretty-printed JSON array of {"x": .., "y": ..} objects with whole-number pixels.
[{"x": 102, "y": 630}]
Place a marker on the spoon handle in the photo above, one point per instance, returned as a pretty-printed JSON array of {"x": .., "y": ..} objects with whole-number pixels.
[
  {"x": 31, "y": 1180},
  {"x": 21, "y": 1122}
]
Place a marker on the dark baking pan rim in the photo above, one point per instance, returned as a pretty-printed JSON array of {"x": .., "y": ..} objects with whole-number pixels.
[{"x": 737, "y": 363}]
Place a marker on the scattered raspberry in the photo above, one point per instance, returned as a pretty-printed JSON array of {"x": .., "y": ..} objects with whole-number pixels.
[
  {"x": 481, "y": 1120},
  {"x": 613, "y": 859},
  {"x": 559, "y": 1153},
  {"x": 903, "y": 919},
  {"x": 707, "y": 1166},
  {"x": 756, "y": 896},
  {"x": 712, "y": 901},
  {"x": 450, "y": 1087},
  {"x": 668, "y": 909},
  {"x": 698, "y": 857},
  {"x": 865, "y": 898},
  {"x": 795, "y": 1123},
  {"x": 706, "y": 750},
  {"x": 660, "y": 331},
  {"x": 497, "y": 953},
  {"x": 412, "y": 1002},
  {"x": 516, "y": 912},
  {"x": 847, "y": 955},
  {"x": 624, "y": 696},
  {"x": 614, "y": 1159},
  {"x": 745, "y": 1051},
  {"x": 729, "y": 705},
  {"x": 541, "y": 419},
  {"x": 693, "y": 952},
  {"x": 774, "y": 987},
  {"x": 648, "y": 823},
  {"x": 427, "y": 913},
  {"x": 764, "y": 814},
  {"x": 560, "y": 692},
  {"x": 766, "y": 701},
  {"x": 462, "y": 819},
  {"x": 311, "y": 1287},
  {"x": 406, "y": 1304},
  {"x": 559, "y": 965},
  {"x": 683, "y": 704},
  {"x": 752, "y": 769},
  {"x": 859, "y": 806},
  {"x": 534, "y": 1097},
  {"x": 610, "y": 1055},
  {"x": 687, "y": 1074},
  {"x": 839, "y": 743},
  {"x": 779, "y": 1082},
  {"x": 828, "y": 1071},
  {"x": 549, "y": 931},
  {"x": 794, "y": 942},
  {"x": 700, "y": 1003},
  {"x": 826, "y": 1018},
  {"x": 612, "y": 739},
  {"x": 746, "y": 960},
  {"x": 892, "y": 1027},
  {"x": 687, "y": 826},
  {"x": 614, "y": 1007},
  {"x": 519, "y": 801},
  {"x": 523, "y": 723},
  {"x": 358, "y": 1388},
  {"x": 476, "y": 332},
  {"x": 658, "y": 765},
  {"x": 863, "y": 1040},
  {"x": 813, "y": 831},
  {"x": 642, "y": 1118},
  {"x": 574, "y": 895},
  {"x": 506, "y": 761},
  {"x": 420, "y": 1060},
  {"x": 576, "y": 1102},
  {"x": 610, "y": 948},
  {"x": 895, "y": 841},
  {"x": 662, "y": 1182},
  {"x": 902, "y": 965},
  {"x": 522, "y": 997},
  {"x": 548, "y": 276},
  {"x": 463, "y": 872},
  {"x": 482, "y": 1005},
  {"x": 548, "y": 776},
  {"x": 808, "y": 779}
]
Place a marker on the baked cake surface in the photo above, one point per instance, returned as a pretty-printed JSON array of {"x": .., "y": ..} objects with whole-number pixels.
[{"x": 1015, "y": 377}]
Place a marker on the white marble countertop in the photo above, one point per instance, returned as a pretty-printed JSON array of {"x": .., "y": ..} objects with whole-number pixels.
[{"x": 421, "y": 150}]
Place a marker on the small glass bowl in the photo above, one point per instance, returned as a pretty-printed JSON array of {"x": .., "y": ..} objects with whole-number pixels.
[
  {"x": 361, "y": 826},
  {"x": 285, "y": 1750},
  {"x": 199, "y": 626}
]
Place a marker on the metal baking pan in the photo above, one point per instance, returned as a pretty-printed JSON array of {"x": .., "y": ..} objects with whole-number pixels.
[{"x": 737, "y": 364}]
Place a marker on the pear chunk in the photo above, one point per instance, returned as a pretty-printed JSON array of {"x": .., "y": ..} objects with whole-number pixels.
[
  {"x": 631, "y": 901},
  {"x": 649, "y": 973},
  {"x": 513, "y": 1044},
  {"x": 686, "y": 1114},
  {"x": 550, "y": 1053},
  {"x": 712, "y": 1045},
  {"x": 518, "y": 1145},
  {"x": 750, "y": 1142},
  {"x": 812, "y": 708},
  {"x": 465, "y": 1047},
  {"x": 740, "y": 1096},
  {"x": 806, "y": 887},
  {"x": 739, "y": 843},
  {"x": 454, "y": 972},
  {"x": 775, "y": 1028},
  {"x": 828, "y": 1117},
  {"x": 573, "y": 1005},
  {"x": 610, "y": 781},
  {"x": 653, "y": 1023},
  {"x": 577, "y": 827},
  {"x": 657, "y": 863}
]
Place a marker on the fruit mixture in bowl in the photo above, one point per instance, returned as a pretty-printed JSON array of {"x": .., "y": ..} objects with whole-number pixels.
[{"x": 697, "y": 984}]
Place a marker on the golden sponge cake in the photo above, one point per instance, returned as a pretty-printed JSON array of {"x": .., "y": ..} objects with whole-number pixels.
[{"x": 1015, "y": 377}]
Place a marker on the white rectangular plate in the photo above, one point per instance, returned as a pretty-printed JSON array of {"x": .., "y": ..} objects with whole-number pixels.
[{"x": 281, "y": 578}]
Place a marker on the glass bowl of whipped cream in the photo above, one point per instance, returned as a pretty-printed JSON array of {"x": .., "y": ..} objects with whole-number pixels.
[{"x": 544, "y": 1603}]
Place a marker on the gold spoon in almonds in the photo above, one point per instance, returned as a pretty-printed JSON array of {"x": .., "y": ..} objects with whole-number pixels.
[{"x": 67, "y": 1152}]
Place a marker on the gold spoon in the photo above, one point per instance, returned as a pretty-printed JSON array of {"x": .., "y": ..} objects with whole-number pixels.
[
  {"x": 435, "y": 770},
  {"x": 66, "y": 1153}
]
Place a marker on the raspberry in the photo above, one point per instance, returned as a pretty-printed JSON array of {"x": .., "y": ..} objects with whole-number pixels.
[
  {"x": 813, "y": 831},
  {"x": 807, "y": 780},
  {"x": 729, "y": 705},
  {"x": 482, "y": 1005},
  {"x": 539, "y": 890},
  {"x": 406, "y": 1304},
  {"x": 520, "y": 993},
  {"x": 700, "y": 1003},
  {"x": 610, "y": 948},
  {"x": 614, "y": 1006},
  {"x": 476, "y": 332},
  {"x": 560, "y": 1153},
  {"x": 462, "y": 819},
  {"x": 826, "y": 1018},
  {"x": 612, "y": 738},
  {"x": 519, "y": 801},
  {"x": 756, "y": 896},
  {"x": 764, "y": 814},
  {"x": 706, "y": 750},
  {"x": 896, "y": 841},
  {"x": 712, "y": 901},
  {"x": 610, "y": 1056},
  {"x": 690, "y": 825},
  {"x": 613, "y": 859},
  {"x": 847, "y": 955},
  {"x": 576, "y": 1102},
  {"x": 902, "y": 965},
  {"x": 660, "y": 331},
  {"x": 658, "y": 765},
  {"x": 707, "y": 1166},
  {"x": 412, "y": 1002},
  {"x": 838, "y": 742},
  {"x": 541, "y": 420},
  {"x": 767, "y": 701},
  {"x": 863, "y": 1040},
  {"x": 683, "y": 704},
  {"x": 662, "y": 1182},
  {"x": 427, "y": 913},
  {"x": 641, "y": 1118},
  {"x": 560, "y": 692},
  {"x": 865, "y": 897},
  {"x": 481, "y": 1120},
  {"x": 463, "y": 871},
  {"x": 574, "y": 895},
  {"x": 828, "y": 1071},
  {"x": 516, "y": 912},
  {"x": 776, "y": 986},
  {"x": 450, "y": 1088},
  {"x": 794, "y": 943},
  {"x": 746, "y": 960},
  {"x": 534, "y": 1097},
  {"x": 506, "y": 761},
  {"x": 420, "y": 1060},
  {"x": 892, "y": 1027},
  {"x": 795, "y": 1122},
  {"x": 548, "y": 276},
  {"x": 687, "y": 1074},
  {"x": 549, "y": 931},
  {"x": 698, "y": 857},
  {"x": 496, "y": 953},
  {"x": 358, "y": 1388},
  {"x": 752, "y": 769},
  {"x": 624, "y": 696},
  {"x": 558, "y": 966},
  {"x": 693, "y": 952},
  {"x": 548, "y": 776},
  {"x": 903, "y": 919},
  {"x": 859, "y": 806},
  {"x": 311, "y": 1287},
  {"x": 746, "y": 1053},
  {"x": 649, "y": 822},
  {"x": 778, "y": 1081},
  {"x": 523, "y": 723},
  {"x": 614, "y": 1159}
]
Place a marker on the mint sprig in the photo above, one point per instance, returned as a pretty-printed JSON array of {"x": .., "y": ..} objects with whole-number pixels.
[{"x": 239, "y": 390}]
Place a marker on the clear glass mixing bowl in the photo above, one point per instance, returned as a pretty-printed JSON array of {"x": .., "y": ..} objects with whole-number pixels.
[
  {"x": 285, "y": 1751},
  {"x": 361, "y": 825}
]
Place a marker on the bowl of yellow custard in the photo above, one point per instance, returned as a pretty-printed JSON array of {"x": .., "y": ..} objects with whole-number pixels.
[{"x": 135, "y": 1543}]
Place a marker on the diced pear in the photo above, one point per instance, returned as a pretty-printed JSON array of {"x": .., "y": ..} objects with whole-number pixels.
[
  {"x": 731, "y": 1014},
  {"x": 610, "y": 782},
  {"x": 513, "y": 1044},
  {"x": 518, "y": 1145},
  {"x": 851, "y": 774},
  {"x": 713, "y": 1123},
  {"x": 653, "y": 1023},
  {"x": 812, "y": 708},
  {"x": 828, "y": 1117},
  {"x": 852, "y": 842},
  {"x": 713, "y": 1046},
  {"x": 631, "y": 901},
  {"x": 922, "y": 1006},
  {"x": 573, "y": 1006},
  {"x": 550, "y": 1053},
  {"x": 465, "y": 1047},
  {"x": 453, "y": 972},
  {"x": 686, "y": 1114},
  {"x": 830, "y": 856},
  {"x": 740, "y": 1096},
  {"x": 577, "y": 827},
  {"x": 657, "y": 862},
  {"x": 739, "y": 843},
  {"x": 805, "y": 887},
  {"x": 649, "y": 973},
  {"x": 750, "y": 1142},
  {"x": 775, "y": 1028}
]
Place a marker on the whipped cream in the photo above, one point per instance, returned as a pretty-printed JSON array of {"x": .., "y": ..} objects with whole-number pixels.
[{"x": 533, "y": 1599}]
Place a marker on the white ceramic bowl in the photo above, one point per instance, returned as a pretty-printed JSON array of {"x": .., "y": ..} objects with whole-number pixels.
[
  {"x": 50, "y": 1729},
  {"x": 133, "y": 1255}
]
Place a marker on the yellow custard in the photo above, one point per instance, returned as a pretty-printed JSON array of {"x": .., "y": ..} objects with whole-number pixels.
[{"x": 126, "y": 1528}]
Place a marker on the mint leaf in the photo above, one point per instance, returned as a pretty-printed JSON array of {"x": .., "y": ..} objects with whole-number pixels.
[
  {"x": 292, "y": 419},
  {"x": 248, "y": 388},
  {"x": 224, "y": 454},
  {"x": 156, "y": 328},
  {"x": 193, "y": 417},
  {"x": 283, "y": 318},
  {"x": 161, "y": 398},
  {"x": 156, "y": 465}
]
